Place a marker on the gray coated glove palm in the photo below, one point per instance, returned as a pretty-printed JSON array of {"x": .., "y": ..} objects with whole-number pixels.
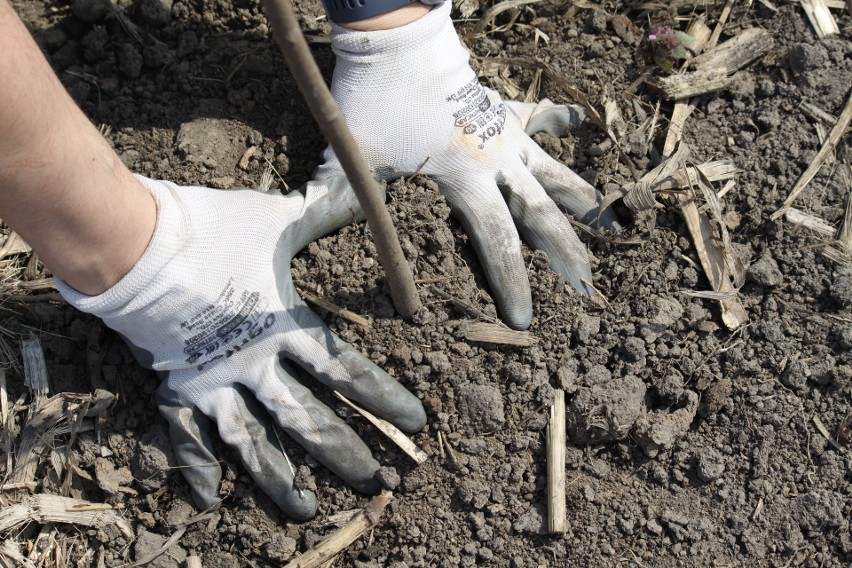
[{"x": 212, "y": 308}]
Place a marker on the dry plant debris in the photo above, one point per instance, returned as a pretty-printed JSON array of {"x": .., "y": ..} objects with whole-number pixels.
[
  {"x": 555, "y": 436},
  {"x": 834, "y": 137},
  {"x": 330, "y": 547},
  {"x": 395, "y": 434}
]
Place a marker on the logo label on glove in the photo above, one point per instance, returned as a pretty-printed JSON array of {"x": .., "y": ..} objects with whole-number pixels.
[
  {"x": 478, "y": 115},
  {"x": 223, "y": 328}
]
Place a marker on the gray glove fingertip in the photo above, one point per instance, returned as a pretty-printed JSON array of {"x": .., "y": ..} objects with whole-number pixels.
[
  {"x": 497, "y": 244},
  {"x": 380, "y": 393},
  {"x": 189, "y": 431},
  {"x": 328, "y": 438},
  {"x": 275, "y": 477}
]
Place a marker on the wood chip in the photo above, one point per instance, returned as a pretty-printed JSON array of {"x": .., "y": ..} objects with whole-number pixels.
[
  {"x": 723, "y": 18},
  {"x": 799, "y": 218},
  {"x": 395, "y": 434},
  {"x": 37, "y": 436},
  {"x": 497, "y": 9},
  {"x": 821, "y": 19},
  {"x": 736, "y": 53},
  {"x": 333, "y": 545},
  {"x": 10, "y": 550},
  {"x": 498, "y": 334},
  {"x": 334, "y": 308},
  {"x": 556, "y": 500},
  {"x": 14, "y": 245},
  {"x": 464, "y": 306},
  {"x": 689, "y": 85},
  {"x": 700, "y": 34},
  {"x": 757, "y": 509},
  {"x": 703, "y": 237},
  {"x": 46, "y": 508},
  {"x": 834, "y": 138},
  {"x": 35, "y": 368},
  {"x": 844, "y": 235}
]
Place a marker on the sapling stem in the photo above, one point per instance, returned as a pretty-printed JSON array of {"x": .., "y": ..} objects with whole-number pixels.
[{"x": 332, "y": 123}]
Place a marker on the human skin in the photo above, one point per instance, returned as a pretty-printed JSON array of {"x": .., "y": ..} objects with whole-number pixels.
[{"x": 62, "y": 187}]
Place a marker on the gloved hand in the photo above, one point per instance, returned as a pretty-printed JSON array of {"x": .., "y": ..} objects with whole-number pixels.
[
  {"x": 211, "y": 306},
  {"x": 414, "y": 104}
]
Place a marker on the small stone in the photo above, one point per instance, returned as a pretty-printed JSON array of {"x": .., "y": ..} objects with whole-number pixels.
[
  {"x": 841, "y": 288},
  {"x": 817, "y": 509},
  {"x": 765, "y": 272},
  {"x": 606, "y": 412},
  {"x": 281, "y": 547},
  {"x": 438, "y": 360},
  {"x": 531, "y": 522},
  {"x": 654, "y": 527},
  {"x": 796, "y": 375},
  {"x": 481, "y": 407},
  {"x": 130, "y": 61},
  {"x": 156, "y": 13},
  {"x": 587, "y": 327},
  {"x": 388, "y": 477},
  {"x": 90, "y": 10},
  {"x": 715, "y": 397},
  {"x": 110, "y": 479},
  {"x": 710, "y": 465}
]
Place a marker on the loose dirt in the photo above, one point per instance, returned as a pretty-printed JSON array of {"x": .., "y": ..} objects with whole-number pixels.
[{"x": 689, "y": 445}]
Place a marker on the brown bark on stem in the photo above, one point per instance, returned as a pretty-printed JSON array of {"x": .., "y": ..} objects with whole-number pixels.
[{"x": 332, "y": 123}]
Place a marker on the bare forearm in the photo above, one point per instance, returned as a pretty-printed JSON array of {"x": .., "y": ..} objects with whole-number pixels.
[
  {"x": 390, "y": 20},
  {"x": 62, "y": 188}
]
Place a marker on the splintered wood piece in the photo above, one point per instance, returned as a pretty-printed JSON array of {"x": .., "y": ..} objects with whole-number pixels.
[
  {"x": 395, "y": 434},
  {"x": 713, "y": 261},
  {"x": 556, "y": 506},
  {"x": 334, "y": 308},
  {"x": 799, "y": 218},
  {"x": 844, "y": 237},
  {"x": 700, "y": 34},
  {"x": 834, "y": 137},
  {"x": 334, "y": 544},
  {"x": 462, "y": 305},
  {"x": 821, "y": 19},
  {"x": 497, "y": 9},
  {"x": 35, "y": 369},
  {"x": 10, "y": 550},
  {"x": 495, "y": 333},
  {"x": 711, "y": 256},
  {"x": 38, "y": 434},
  {"x": 14, "y": 245},
  {"x": 737, "y": 52},
  {"x": 817, "y": 113},
  {"x": 696, "y": 83},
  {"x": 680, "y": 112},
  {"x": 723, "y": 18},
  {"x": 717, "y": 170},
  {"x": 44, "y": 508}
]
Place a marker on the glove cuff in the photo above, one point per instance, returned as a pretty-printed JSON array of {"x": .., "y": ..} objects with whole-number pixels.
[
  {"x": 168, "y": 237},
  {"x": 348, "y": 43}
]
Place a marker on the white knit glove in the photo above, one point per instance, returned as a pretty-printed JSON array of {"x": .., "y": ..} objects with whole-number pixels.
[
  {"x": 414, "y": 104},
  {"x": 211, "y": 306}
]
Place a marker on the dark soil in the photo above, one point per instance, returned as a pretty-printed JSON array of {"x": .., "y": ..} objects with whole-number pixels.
[{"x": 747, "y": 481}]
